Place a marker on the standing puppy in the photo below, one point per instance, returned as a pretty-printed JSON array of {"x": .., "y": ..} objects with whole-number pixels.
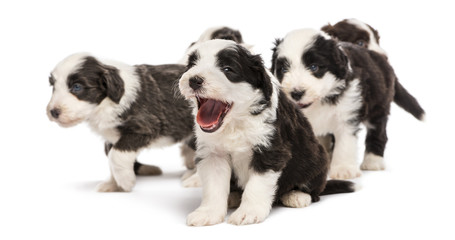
[
  {"x": 248, "y": 129},
  {"x": 338, "y": 86},
  {"x": 131, "y": 107}
]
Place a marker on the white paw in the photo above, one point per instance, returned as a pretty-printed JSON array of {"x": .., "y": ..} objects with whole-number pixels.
[
  {"x": 108, "y": 186},
  {"x": 372, "y": 162},
  {"x": 344, "y": 172},
  {"x": 249, "y": 215},
  {"x": 125, "y": 180},
  {"x": 296, "y": 199},
  {"x": 191, "y": 179},
  {"x": 205, "y": 217}
]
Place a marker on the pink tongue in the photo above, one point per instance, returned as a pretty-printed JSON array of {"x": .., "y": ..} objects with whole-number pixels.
[{"x": 209, "y": 113}]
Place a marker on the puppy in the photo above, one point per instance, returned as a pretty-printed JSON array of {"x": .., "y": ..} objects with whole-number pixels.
[
  {"x": 338, "y": 86},
  {"x": 356, "y": 32},
  {"x": 131, "y": 107},
  {"x": 190, "y": 178},
  {"x": 247, "y": 128},
  {"x": 222, "y": 32}
]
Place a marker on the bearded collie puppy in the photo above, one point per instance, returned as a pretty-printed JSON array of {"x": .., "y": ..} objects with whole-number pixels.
[
  {"x": 338, "y": 86},
  {"x": 131, "y": 107}
]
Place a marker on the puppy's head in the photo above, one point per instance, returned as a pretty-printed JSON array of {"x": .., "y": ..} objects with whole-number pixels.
[
  {"x": 226, "y": 83},
  {"x": 310, "y": 66},
  {"x": 80, "y": 83},
  {"x": 356, "y": 32}
]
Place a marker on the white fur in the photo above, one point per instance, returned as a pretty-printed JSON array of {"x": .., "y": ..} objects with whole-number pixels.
[
  {"x": 372, "y": 162},
  {"x": 121, "y": 164},
  {"x": 296, "y": 199},
  {"x": 230, "y": 148},
  {"x": 373, "y": 44},
  {"x": 257, "y": 198},
  {"x": 215, "y": 174},
  {"x": 324, "y": 118}
]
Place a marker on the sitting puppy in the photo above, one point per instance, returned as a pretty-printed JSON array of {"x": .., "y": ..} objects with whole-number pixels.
[
  {"x": 131, "y": 107},
  {"x": 190, "y": 178},
  {"x": 338, "y": 86},
  {"x": 247, "y": 128}
]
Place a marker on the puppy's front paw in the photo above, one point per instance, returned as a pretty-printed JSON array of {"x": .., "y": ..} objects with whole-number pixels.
[
  {"x": 191, "y": 179},
  {"x": 344, "y": 172},
  {"x": 296, "y": 199},
  {"x": 372, "y": 162},
  {"x": 205, "y": 217},
  {"x": 108, "y": 186},
  {"x": 125, "y": 180},
  {"x": 248, "y": 215}
]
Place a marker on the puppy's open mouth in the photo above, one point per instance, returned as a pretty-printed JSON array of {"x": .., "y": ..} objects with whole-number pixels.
[
  {"x": 211, "y": 113},
  {"x": 301, "y": 105}
]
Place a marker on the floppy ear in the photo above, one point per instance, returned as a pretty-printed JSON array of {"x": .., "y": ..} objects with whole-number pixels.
[
  {"x": 113, "y": 83},
  {"x": 341, "y": 61},
  {"x": 329, "y": 29},
  {"x": 275, "y": 54},
  {"x": 263, "y": 80}
]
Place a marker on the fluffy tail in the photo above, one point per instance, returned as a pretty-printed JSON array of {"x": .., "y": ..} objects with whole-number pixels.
[
  {"x": 406, "y": 101},
  {"x": 338, "y": 186}
]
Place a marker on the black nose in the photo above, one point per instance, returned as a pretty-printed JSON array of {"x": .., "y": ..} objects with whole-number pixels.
[
  {"x": 296, "y": 95},
  {"x": 196, "y": 82},
  {"x": 55, "y": 113}
]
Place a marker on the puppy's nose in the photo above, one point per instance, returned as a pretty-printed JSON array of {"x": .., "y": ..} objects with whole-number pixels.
[
  {"x": 297, "y": 95},
  {"x": 55, "y": 112},
  {"x": 196, "y": 82}
]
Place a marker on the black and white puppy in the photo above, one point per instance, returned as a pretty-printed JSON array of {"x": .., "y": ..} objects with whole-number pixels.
[
  {"x": 221, "y": 32},
  {"x": 131, "y": 107},
  {"x": 190, "y": 178},
  {"x": 247, "y": 128},
  {"x": 356, "y": 32},
  {"x": 339, "y": 85}
]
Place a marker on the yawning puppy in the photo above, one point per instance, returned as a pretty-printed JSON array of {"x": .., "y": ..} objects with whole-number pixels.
[
  {"x": 247, "y": 128},
  {"x": 191, "y": 178},
  {"x": 338, "y": 86},
  {"x": 131, "y": 107}
]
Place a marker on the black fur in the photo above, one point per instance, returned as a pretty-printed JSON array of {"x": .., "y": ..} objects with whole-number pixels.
[
  {"x": 294, "y": 149},
  {"x": 377, "y": 83},
  {"x": 227, "y": 34},
  {"x": 240, "y": 66},
  {"x": 156, "y": 112},
  {"x": 97, "y": 82},
  {"x": 347, "y": 32}
]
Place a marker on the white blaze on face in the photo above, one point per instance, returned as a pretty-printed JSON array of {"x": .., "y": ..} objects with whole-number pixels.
[
  {"x": 299, "y": 77},
  {"x": 216, "y": 85},
  {"x": 71, "y": 110}
]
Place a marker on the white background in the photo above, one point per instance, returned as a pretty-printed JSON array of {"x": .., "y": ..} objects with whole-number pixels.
[{"x": 48, "y": 174}]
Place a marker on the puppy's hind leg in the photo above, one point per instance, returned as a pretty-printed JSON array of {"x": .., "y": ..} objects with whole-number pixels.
[
  {"x": 296, "y": 199},
  {"x": 375, "y": 143}
]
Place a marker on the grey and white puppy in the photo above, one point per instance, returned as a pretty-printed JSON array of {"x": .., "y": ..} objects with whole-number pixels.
[{"x": 131, "y": 107}]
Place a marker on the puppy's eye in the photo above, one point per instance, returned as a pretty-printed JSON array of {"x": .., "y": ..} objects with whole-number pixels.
[
  {"x": 360, "y": 43},
  {"x": 283, "y": 70},
  {"x": 77, "y": 87},
  {"x": 314, "y": 67},
  {"x": 227, "y": 69}
]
